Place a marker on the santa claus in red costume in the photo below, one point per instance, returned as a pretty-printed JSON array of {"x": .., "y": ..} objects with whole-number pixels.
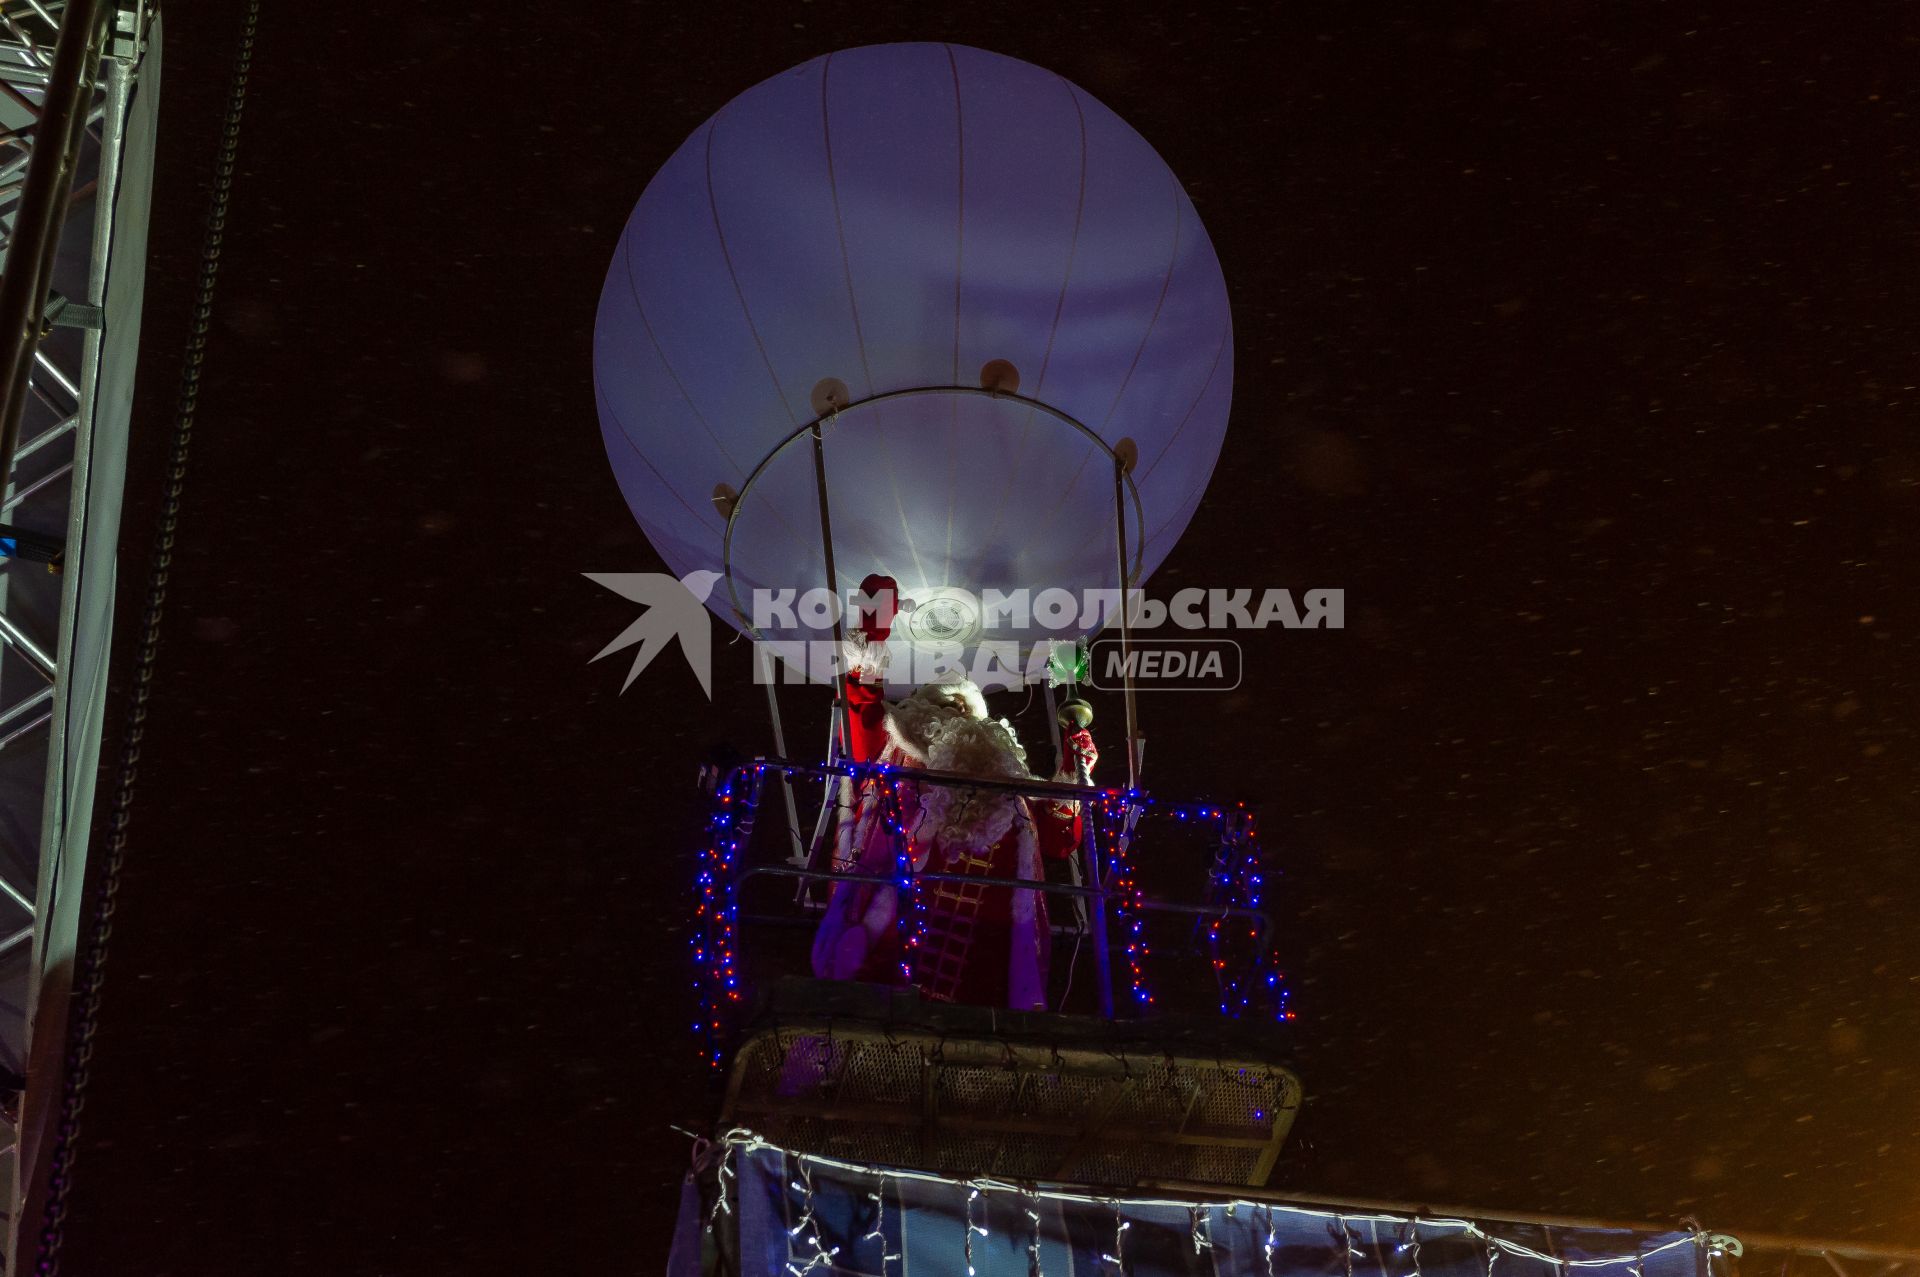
[{"x": 976, "y": 943}]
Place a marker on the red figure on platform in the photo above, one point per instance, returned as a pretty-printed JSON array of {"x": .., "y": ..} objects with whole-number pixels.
[{"x": 981, "y": 943}]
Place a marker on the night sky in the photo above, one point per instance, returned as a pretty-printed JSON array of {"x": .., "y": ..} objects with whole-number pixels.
[{"x": 1576, "y": 342}]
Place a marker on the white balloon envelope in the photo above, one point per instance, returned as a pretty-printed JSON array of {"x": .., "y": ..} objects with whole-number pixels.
[{"x": 852, "y": 248}]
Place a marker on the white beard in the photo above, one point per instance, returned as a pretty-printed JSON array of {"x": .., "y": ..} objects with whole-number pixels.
[
  {"x": 972, "y": 819},
  {"x": 911, "y": 724}
]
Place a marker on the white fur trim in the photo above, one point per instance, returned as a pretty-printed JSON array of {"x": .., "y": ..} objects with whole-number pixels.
[{"x": 864, "y": 660}]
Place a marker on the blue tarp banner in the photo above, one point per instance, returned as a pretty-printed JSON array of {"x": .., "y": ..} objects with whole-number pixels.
[{"x": 802, "y": 1215}]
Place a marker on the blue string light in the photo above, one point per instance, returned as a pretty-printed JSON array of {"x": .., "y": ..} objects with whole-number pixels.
[
  {"x": 1239, "y": 881},
  {"x": 1243, "y": 968},
  {"x": 1125, "y": 889},
  {"x": 715, "y": 957},
  {"x": 908, "y": 902}
]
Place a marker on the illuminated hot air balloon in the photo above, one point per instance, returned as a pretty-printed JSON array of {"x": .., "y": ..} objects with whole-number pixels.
[
  {"x": 926, "y": 312},
  {"x": 940, "y": 296}
]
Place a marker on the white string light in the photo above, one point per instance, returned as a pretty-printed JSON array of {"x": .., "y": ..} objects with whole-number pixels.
[
  {"x": 720, "y": 1206},
  {"x": 822, "y": 1256},
  {"x": 744, "y": 1141},
  {"x": 1033, "y": 1243},
  {"x": 1202, "y": 1222},
  {"x": 878, "y": 1232},
  {"x": 973, "y": 1195},
  {"x": 1120, "y": 1226}
]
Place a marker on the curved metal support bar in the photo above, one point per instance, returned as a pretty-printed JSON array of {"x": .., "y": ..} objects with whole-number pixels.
[
  {"x": 816, "y": 430},
  {"x": 1123, "y": 475}
]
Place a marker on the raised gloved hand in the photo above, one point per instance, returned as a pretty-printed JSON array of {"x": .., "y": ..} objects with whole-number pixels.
[
  {"x": 1077, "y": 752},
  {"x": 866, "y": 645},
  {"x": 876, "y": 621},
  {"x": 1080, "y": 754}
]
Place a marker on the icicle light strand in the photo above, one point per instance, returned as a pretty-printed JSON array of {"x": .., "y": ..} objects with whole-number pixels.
[{"x": 739, "y": 1142}]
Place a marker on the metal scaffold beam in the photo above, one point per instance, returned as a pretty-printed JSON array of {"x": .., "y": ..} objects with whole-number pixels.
[
  {"x": 79, "y": 81},
  {"x": 1770, "y": 1256}
]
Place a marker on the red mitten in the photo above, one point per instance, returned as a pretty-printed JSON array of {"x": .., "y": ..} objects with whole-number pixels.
[
  {"x": 876, "y": 621},
  {"x": 1060, "y": 824},
  {"x": 1081, "y": 755}
]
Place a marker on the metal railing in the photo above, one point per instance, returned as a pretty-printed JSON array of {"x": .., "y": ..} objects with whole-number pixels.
[{"x": 1094, "y": 894}]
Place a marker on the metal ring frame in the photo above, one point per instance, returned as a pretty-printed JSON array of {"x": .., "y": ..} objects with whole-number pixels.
[{"x": 821, "y": 423}]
